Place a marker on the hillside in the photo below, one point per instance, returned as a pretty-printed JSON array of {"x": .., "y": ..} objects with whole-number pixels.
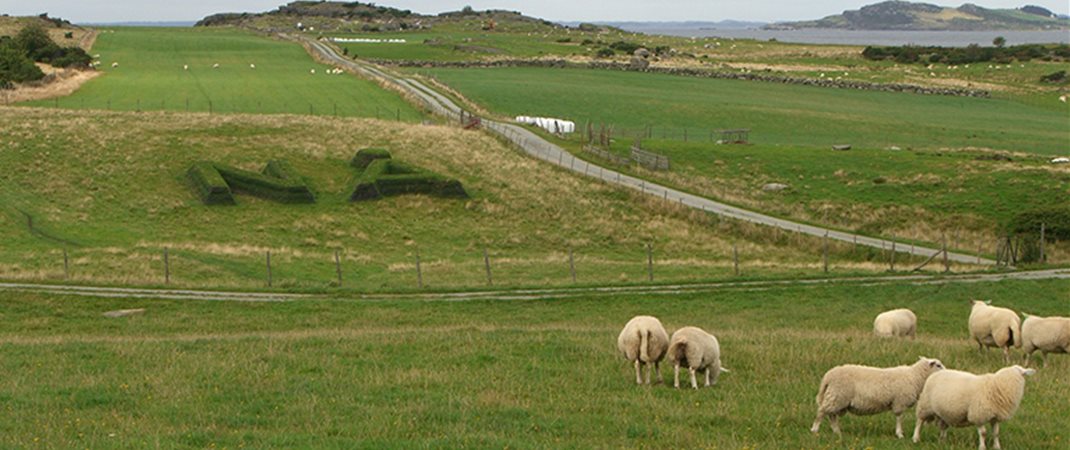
[{"x": 902, "y": 15}]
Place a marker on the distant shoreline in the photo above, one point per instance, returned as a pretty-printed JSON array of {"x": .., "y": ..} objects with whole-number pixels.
[{"x": 835, "y": 36}]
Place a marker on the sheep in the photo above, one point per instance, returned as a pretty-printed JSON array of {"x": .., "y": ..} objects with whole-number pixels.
[
  {"x": 644, "y": 341},
  {"x": 215, "y": 66},
  {"x": 698, "y": 350},
  {"x": 995, "y": 327},
  {"x": 115, "y": 64},
  {"x": 1047, "y": 334},
  {"x": 864, "y": 390},
  {"x": 957, "y": 399},
  {"x": 897, "y": 322},
  {"x": 313, "y": 71},
  {"x": 1062, "y": 98},
  {"x": 185, "y": 67},
  {"x": 252, "y": 66}
]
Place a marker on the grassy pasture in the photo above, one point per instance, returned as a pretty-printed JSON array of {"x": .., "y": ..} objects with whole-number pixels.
[
  {"x": 936, "y": 185},
  {"x": 150, "y": 77},
  {"x": 518, "y": 374},
  {"x": 111, "y": 188}
]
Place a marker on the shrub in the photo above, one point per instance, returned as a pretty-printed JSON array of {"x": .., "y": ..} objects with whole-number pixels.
[
  {"x": 1056, "y": 222},
  {"x": 16, "y": 67},
  {"x": 383, "y": 176},
  {"x": 625, "y": 47},
  {"x": 71, "y": 57},
  {"x": 605, "y": 53},
  {"x": 1054, "y": 77}
]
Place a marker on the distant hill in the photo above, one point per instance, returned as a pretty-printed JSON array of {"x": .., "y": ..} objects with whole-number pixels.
[
  {"x": 641, "y": 27},
  {"x": 902, "y": 15}
]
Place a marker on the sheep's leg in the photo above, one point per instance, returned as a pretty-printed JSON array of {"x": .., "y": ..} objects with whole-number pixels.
[
  {"x": 638, "y": 373},
  {"x": 1007, "y": 354},
  {"x": 676, "y": 376},
  {"x": 995, "y": 435},
  {"x": 943, "y": 430},
  {"x": 707, "y": 377},
  {"x": 917, "y": 430},
  {"x": 657, "y": 371},
  {"x": 1044, "y": 356},
  {"x": 694, "y": 382},
  {"x": 1026, "y": 357},
  {"x": 834, "y": 423},
  {"x": 817, "y": 422},
  {"x": 981, "y": 437},
  {"x": 649, "y": 367},
  {"x": 899, "y": 425}
]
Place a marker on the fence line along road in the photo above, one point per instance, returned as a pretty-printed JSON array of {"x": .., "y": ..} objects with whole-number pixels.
[{"x": 540, "y": 148}]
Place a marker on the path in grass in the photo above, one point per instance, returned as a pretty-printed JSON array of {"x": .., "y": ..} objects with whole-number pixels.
[
  {"x": 150, "y": 76},
  {"x": 538, "y": 147}
]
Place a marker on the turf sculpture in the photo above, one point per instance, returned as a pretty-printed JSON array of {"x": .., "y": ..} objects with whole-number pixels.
[
  {"x": 217, "y": 183},
  {"x": 383, "y": 176}
]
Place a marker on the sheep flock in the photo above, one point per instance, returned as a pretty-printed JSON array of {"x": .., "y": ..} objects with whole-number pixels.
[{"x": 949, "y": 398}]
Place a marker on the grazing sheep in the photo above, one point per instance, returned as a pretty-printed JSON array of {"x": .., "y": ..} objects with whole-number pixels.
[
  {"x": 1062, "y": 98},
  {"x": 644, "y": 341},
  {"x": 1047, "y": 334},
  {"x": 215, "y": 66},
  {"x": 864, "y": 390},
  {"x": 313, "y": 71},
  {"x": 252, "y": 66},
  {"x": 698, "y": 350},
  {"x": 894, "y": 323},
  {"x": 958, "y": 399},
  {"x": 995, "y": 327},
  {"x": 115, "y": 64},
  {"x": 185, "y": 67}
]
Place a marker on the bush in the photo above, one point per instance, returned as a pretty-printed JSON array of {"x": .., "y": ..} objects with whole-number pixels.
[
  {"x": 625, "y": 47},
  {"x": 1054, "y": 77},
  {"x": 383, "y": 176},
  {"x": 15, "y": 67},
  {"x": 1056, "y": 222},
  {"x": 71, "y": 57},
  {"x": 605, "y": 53}
]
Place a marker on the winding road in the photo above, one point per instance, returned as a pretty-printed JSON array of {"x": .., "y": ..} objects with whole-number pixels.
[{"x": 536, "y": 146}]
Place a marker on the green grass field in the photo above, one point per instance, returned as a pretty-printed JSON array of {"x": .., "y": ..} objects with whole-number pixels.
[
  {"x": 111, "y": 189},
  {"x": 517, "y": 374},
  {"x": 150, "y": 77},
  {"x": 786, "y": 115},
  {"x": 938, "y": 184}
]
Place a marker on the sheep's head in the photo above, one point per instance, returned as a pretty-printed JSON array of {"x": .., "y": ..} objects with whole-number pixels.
[
  {"x": 930, "y": 364},
  {"x": 1020, "y": 370},
  {"x": 976, "y": 303}
]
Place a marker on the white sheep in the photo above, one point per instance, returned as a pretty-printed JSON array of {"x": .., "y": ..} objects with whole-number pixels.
[
  {"x": 995, "y": 327},
  {"x": 115, "y": 64},
  {"x": 215, "y": 66},
  {"x": 698, "y": 350},
  {"x": 864, "y": 390},
  {"x": 1047, "y": 334},
  {"x": 644, "y": 341},
  {"x": 185, "y": 67},
  {"x": 252, "y": 66},
  {"x": 957, "y": 399},
  {"x": 1062, "y": 98},
  {"x": 313, "y": 71},
  {"x": 895, "y": 323}
]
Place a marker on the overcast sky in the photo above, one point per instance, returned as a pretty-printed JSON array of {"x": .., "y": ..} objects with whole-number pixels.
[{"x": 563, "y": 10}]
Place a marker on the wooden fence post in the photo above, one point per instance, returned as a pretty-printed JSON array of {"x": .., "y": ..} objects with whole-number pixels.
[
  {"x": 269, "y": 268},
  {"x": 486, "y": 265},
  {"x": 735, "y": 258},
  {"x": 1042, "y": 258},
  {"x": 892, "y": 263},
  {"x": 419, "y": 275},
  {"x": 947, "y": 266},
  {"x": 166, "y": 267},
  {"x": 571, "y": 265},
  {"x": 66, "y": 266},
  {"x": 649, "y": 262},
  {"x": 825, "y": 253},
  {"x": 338, "y": 267}
]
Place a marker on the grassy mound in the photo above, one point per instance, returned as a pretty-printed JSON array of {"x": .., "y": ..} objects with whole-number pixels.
[{"x": 382, "y": 176}]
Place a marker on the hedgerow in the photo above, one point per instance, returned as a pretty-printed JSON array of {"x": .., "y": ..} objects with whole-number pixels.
[
  {"x": 278, "y": 182},
  {"x": 211, "y": 186}
]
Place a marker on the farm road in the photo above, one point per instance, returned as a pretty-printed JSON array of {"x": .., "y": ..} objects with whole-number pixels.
[
  {"x": 531, "y": 294},
  {"x": 536, "y": 146}
]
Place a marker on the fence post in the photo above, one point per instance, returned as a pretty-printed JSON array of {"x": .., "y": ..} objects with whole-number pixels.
[
  {"x": 269, "y": 268},
  {"x": 825, "y": 253},
  {"x": 571, "y": 265},
  {"x": 893, "y": 254},
  {"x": 166, "y": 267},
  {"x": 66, "y": 266},
  {"x": 979, "y": 254},
  {"x": 338, "y": 267},
  {"x": 486, "y": 265},
  {"x": 735, "y": 258},
  {"x": 650, "y": 262},
  {"x": 947, "y": 267},
  {"x": 1042, "y": 258},
  {"x": 419, "y": 275}
]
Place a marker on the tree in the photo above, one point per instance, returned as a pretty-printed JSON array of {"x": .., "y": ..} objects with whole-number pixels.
[
  {"x": 16, "y": 67},
  {"x": 35, "y": 43},
  {"x": 999, "y": 41}
]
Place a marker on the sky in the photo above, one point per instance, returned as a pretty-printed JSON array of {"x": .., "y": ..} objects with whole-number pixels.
[{"x": 89, "y": 11}]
